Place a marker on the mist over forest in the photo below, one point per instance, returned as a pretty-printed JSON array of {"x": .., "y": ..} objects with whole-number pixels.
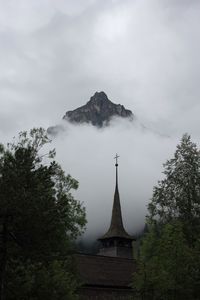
[
  {"x": 144, "y": 55},
  {"x": 87, "y": 153}
]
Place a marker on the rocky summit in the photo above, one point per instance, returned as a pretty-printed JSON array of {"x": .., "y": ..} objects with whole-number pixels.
[{"x": 98, "y": 111}]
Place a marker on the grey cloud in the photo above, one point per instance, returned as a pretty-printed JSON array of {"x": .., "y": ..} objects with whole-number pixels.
[{"x": 143, "y": 54}]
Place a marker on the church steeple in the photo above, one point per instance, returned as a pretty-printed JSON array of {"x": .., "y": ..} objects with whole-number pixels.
[{"x": 116, "y": 241}]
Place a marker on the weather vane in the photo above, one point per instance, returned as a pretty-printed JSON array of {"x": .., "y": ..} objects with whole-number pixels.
[{"x": 116, "y": 158}]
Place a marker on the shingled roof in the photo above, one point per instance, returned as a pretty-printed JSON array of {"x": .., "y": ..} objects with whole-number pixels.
[
  {"x": 116, "y": 226},
  {"x": 105, "y": 271}
]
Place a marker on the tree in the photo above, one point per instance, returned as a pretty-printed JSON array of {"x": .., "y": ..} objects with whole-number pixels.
[
  {"x": 166, "y": 265},
  {"x": 40, "y": 219},
  {"x": 178, "y": 194},
  {"x": 169, "y": 264}
]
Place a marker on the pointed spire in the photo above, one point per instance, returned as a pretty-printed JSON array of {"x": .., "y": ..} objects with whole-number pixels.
[
  {"x": 116, "y": 226},
  {"x": 116, "y": 165}
]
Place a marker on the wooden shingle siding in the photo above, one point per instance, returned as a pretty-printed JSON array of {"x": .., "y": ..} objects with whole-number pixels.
[{"x": 105, "y": 277}]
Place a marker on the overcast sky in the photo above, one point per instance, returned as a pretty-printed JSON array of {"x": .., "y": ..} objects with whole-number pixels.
[{"x": 144, "y": 54}]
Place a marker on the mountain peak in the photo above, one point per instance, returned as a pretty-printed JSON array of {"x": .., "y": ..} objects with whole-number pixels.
[
  {"x": 99, "y": 99},
  {"x": 99, "y": 96},
  {"x": 98, "y": 111}
]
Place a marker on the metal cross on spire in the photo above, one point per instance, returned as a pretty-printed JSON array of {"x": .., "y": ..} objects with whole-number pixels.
[{"x": 116, "y": 158}]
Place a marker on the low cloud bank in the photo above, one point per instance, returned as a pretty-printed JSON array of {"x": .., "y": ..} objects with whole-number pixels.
[{"x": 88, "y": 154}]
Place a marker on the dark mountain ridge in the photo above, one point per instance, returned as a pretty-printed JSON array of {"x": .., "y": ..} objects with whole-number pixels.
[{"x": 98, "y": 111}]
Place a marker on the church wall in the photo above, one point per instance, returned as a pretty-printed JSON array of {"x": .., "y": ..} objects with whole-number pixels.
[
  {"x": 125, "y": 252},
  {"x": 98, "y": 293},
  {"x": 110, "y": 251}
]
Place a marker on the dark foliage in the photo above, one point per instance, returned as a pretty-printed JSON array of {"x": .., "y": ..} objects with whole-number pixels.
[{"x": 39, "y": 221}]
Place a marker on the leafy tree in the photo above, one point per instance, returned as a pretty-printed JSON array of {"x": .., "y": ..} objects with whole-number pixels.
[
  {"x": 40, "y": 219},
  {"x": 169, "y": 264},
  {"x": 178, "y": 194}
]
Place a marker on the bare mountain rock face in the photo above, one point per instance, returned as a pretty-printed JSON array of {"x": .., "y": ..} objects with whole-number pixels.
[{"x": 98, "y": 111}]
